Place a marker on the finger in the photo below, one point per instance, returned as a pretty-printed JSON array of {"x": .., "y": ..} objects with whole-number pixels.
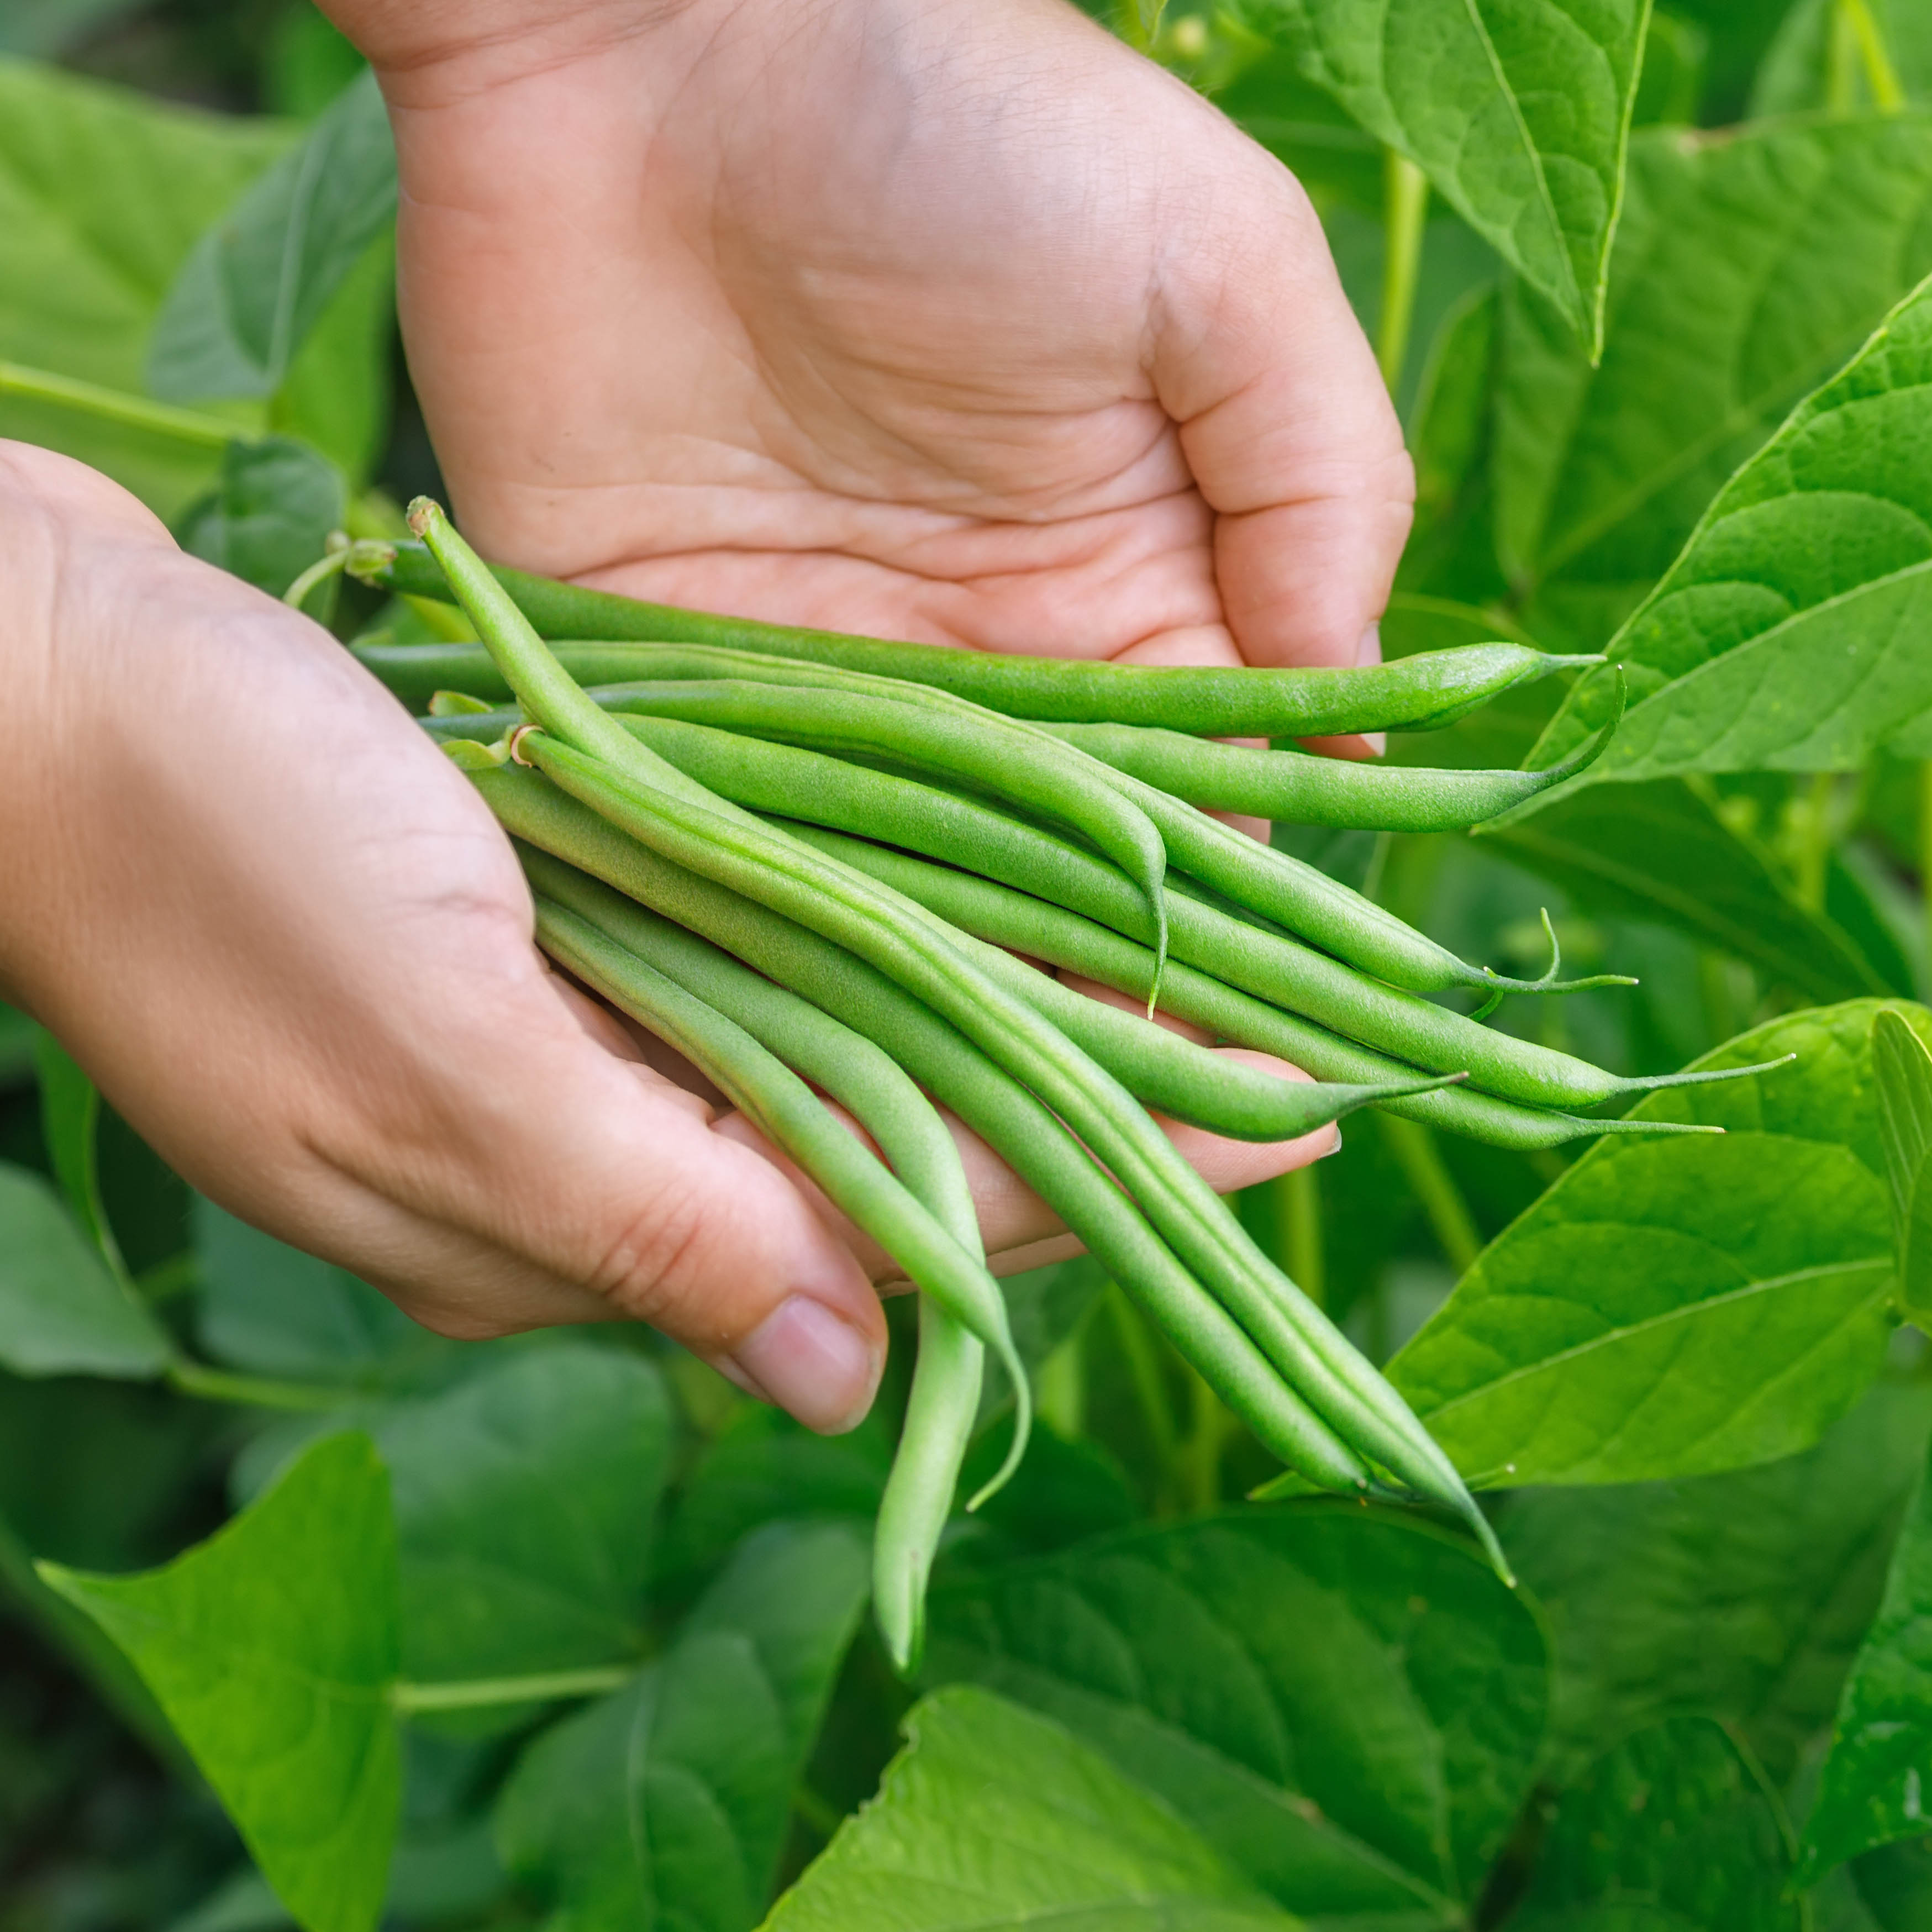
[{"x": 1286, "y": 424}]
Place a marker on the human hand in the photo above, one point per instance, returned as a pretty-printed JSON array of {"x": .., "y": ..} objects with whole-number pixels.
[
  {"x": 289, "y": 943},
  {"x": 951, "y": 319}
]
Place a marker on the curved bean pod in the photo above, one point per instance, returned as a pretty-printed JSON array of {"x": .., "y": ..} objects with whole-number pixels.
[
  {"x": 662, "y": 808},
  {"x": 1297, "y": 788},
  {"x": 787, "y": 1110},
  {"x": 1396, "y": 1023},
  {"x": 1415, "y": 693},
  {"x": 990, "y": 1101},
  {"x": 943, "y": 1404}
]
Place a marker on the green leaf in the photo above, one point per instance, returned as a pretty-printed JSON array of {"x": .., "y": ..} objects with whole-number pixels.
[
  {"x": 1675, "y": 1307},
  {"x": 62, "y": 1312},
  {"x": 1743, "y": 1597},
  {"x": 1904, "y": 1069},
  {"x": 1748, "y": 268},
  {"x": 1894, "y": 1885},
  {"x": 1347, "y": 1707},
  {"x": 271, "y": 1310},
  {"x": 665, "y": 1804},
  {"x": 1673, "y": 1830},
  {"x": 69, "y": 1123},
  {"x": 270, "y": 517},
  {"x": 1664, "y": 852},
  {"x": 992, "y": 1818},
  {"x": 524, "y": 1502},
  {"x": 272, "y": 1647},
  {"x": 258, "y": 280},
  {"x": 1519, "y": 115},
  {"x": 764, "y": 1467},
  {"x": 1786, "y": 637},
  {"x": 1874, "y": 1786}
]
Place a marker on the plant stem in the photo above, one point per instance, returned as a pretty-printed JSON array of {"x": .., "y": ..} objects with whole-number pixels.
[
  {"x": 1454, "y": 1227},
  {"x": 1405, "y": 215},
  {"x": 210, "y": 1384},
  {"x": 1302, "y": 1251},
  {"x": 1856, "y": 29},
  {"x": 117, "y": 406},
  {"x": 1143, "y": 1371},
  {"x": 1925, "y": 853},
  {"x": 1206, "y": 1439},
  {"x": 1814, "y": 842},
  {"x": 476, "y": 1693},
  {"x": 1059, "y": 1395},
  {"x": 816, "y": 1813},
  {"x": 165, "y": 1279}
]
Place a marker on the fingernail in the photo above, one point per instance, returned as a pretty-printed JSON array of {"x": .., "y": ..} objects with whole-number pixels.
[
  {"x": 808, "y": 1360},
  {"x": 1334, "y": 1146},
  {"x": 1369, "y": 650}
]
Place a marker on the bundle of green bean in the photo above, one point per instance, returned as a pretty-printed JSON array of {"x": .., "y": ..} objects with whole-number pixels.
[{"x": 803, "y": 858}]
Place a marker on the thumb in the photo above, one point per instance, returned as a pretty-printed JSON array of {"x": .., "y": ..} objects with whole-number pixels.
[
  {"x": 574, "y": 1183},
  {"x": 1286, "y": 425}
]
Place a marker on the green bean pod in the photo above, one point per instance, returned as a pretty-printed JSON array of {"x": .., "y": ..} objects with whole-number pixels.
[
  {"x": 660, "y": 808},
  {"x": 996, "y": 1106},
  {"x": 1297, "y": 788},
  {"x": 1396, "y": 1023},
  {"x": 1415, "y": 693},
  {"x": 787, "y": 1110},
  {"x": 943, "y": 1404},
  {"x": 986, "y": 752},
  {"x": 1240, "y": 966}
]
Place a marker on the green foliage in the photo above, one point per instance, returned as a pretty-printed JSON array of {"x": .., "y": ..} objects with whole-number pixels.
[
  {"x": 1672, "y": 1828},
  {"x": 272, "y": 1649},
  {"x": 666, "y": 1803},
  {"x": 1743, "y": 1597},
  {"x": 1518, "y": 115},
  {"x": 1347, "y": 1707},
  {"x": 1871, "y": 1791},
  {"x": 270, "y": 513},
  {"x": 1673, "y": 1308},
  {"x": 994, "y": 1818},
  {"x": 1745, "y": 271},
  {"x": 256, "y": 285},
  {"x": 1785, "y": 637},
  {"x": 62, "y": 1311}
]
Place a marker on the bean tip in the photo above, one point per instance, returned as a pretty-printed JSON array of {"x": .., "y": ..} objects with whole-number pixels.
[{"x": 423, "y": 514}]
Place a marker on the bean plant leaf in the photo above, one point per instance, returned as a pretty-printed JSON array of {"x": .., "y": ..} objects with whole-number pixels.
[
  {"x": 1347, "y": 1708},
  {"x": 524, "y": 1502},
  {"x": 1672, "y": 1830},
  {"x": 272, "y": 1647},
  {"x": 1878, "y": 1775},
  {"x": 1748, "y": 267},
  {"x": 1675, "y": 1307},
  {"x": 525, "y": 1498},
  {"x": 272, "y": 1310},
  {"x": 1519, "y": 115},
  {"x": 270, "y": 515},
  {"x": 993, "y": 1818},
  {"x": 1743, "y": 1597},
  {"x": 62, "y": 1312},
  {"x": 69, "y": 1120},
  {"x": 260, "y": 278},
  {"x": 1904, "y": 1069},
  {"x": 1787, "y": 637},
  {"x": 665, "y": 1804}
]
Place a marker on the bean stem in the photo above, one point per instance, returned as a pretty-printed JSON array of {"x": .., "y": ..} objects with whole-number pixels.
[
  {"x": 1405, "y": 222},
  {"x": 1453, "y": 1226},
  {"x": 212, "y": 1385},
  {"x": 480, "y": 1694},
  {"x": 1858, "y": 37},
  {"x": 117, "y": 405}
]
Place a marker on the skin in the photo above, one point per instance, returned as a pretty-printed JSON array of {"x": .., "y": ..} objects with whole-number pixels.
[{"x": 945, "y": 320}]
